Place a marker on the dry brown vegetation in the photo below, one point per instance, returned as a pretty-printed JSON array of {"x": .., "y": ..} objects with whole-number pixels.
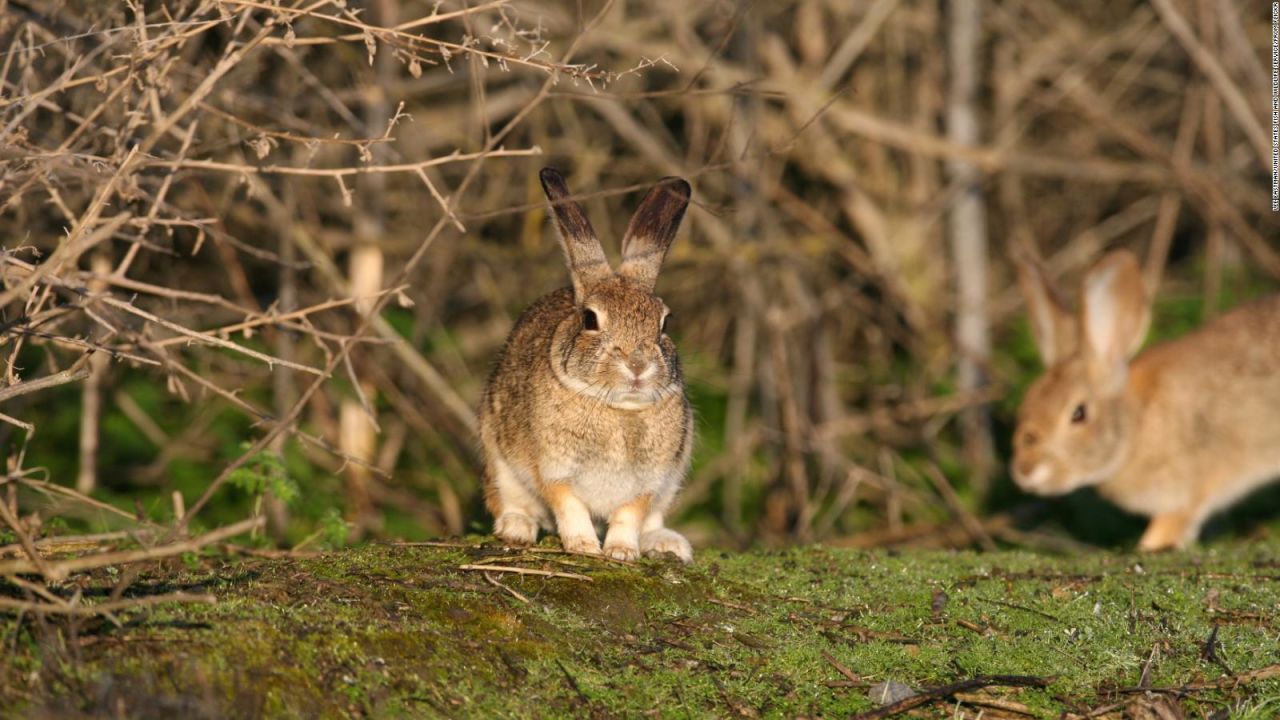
[{"x": 324, "y": 216}]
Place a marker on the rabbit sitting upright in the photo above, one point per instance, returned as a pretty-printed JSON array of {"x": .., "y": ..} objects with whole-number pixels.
[
  {"x": 585, "y": 415},
  {"x": 1183, "y": 430}
]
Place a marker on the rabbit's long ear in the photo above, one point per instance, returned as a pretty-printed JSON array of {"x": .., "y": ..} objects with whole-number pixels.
[
  {"x": 582, "y": 251},
  {"x": 1052, "y": 324},
  {"x": 1114, "y": 315},
  {"x": 652, "y": 229}
]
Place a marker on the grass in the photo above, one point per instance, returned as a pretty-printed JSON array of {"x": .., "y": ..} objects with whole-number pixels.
[{"x": 395, "y": 631}]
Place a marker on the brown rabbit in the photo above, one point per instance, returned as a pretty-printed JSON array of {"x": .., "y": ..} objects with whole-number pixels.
[
  {"x": 1177, "y": 433},
  {"x": 585, "y": 415}
]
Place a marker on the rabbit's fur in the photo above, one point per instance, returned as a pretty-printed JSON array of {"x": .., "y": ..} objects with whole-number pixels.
[
  {"x": 585, "y": 415},
  {"x": 1184, "y": 429}
]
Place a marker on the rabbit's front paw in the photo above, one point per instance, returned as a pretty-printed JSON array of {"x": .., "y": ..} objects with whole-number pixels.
[
  {"x": 581, "y": 544},
  {"x": 658, "y": 542},
  {"x": 516, "y": 529}
]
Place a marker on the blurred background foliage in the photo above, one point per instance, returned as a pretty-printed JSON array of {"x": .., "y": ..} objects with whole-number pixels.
[{"x": 814, "y": 285}]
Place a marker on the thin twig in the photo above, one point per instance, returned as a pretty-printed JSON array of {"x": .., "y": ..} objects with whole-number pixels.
[
  {"x": 241, "y": 168},
  {"x": 518, "y": 571},
  {"x": 841, "y": 668},
  {"x": 513, "y": 592},
  {"x": 69, "y": 375},
  {"x": 207, "y": 338}
]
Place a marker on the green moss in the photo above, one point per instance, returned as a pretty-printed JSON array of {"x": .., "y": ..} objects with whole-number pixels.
[{"x": 385, "y": 631}]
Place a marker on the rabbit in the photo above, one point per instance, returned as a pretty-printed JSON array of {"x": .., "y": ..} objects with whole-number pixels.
[
  {"x": 1182, "y": 430},
  {"x": 585, "y": 415}
]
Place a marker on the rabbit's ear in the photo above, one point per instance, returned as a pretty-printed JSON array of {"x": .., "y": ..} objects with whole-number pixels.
[
  {"x": 1115, "y": 314},
  {"x": 582, "y": 251},
  {"x": 1052, "y": 323},
  {"x": 652, "y": 229}
]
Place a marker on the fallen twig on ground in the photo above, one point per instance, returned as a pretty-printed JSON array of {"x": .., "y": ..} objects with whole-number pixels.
[
  {"x": 525, "y": 571},
  {"x": 58, "y": 570},
  {"x": 939, "y": 693}
]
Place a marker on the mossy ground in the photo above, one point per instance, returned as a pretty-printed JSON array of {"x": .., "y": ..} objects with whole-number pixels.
[{"x": 402, "y": 631}]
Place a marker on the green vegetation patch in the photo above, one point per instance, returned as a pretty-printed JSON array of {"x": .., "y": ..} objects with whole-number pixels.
[{"x": 425, "y": 631}]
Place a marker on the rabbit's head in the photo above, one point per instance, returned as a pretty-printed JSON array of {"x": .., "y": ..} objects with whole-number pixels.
[
  {"x": 614, "y": 348},
  {"x": 1074, "y": 422}
]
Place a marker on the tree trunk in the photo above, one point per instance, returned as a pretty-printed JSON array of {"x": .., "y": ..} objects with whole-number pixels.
[
  {"x": 358, "y": 431},
  {"x": 968, "y": 230}
]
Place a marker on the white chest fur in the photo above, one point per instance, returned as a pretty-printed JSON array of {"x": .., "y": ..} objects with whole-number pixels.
[{"x": 603, "y": 486}]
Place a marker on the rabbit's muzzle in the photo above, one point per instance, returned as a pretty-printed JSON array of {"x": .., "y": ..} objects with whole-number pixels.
[{"x": 1034, "y": 470}]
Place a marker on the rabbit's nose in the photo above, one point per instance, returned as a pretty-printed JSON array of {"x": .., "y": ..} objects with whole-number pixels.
[
  {"x": 1022, "y": 469},
  {"x": 1029, "y": 438},
  {"x": 637, "y": 363}
]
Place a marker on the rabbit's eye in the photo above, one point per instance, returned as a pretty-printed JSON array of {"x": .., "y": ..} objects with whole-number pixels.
[
  {"x": 1079, "y": 415},
  {"x": 589, "y": 320}
]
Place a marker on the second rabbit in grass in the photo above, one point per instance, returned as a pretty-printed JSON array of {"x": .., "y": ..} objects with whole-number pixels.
[
  {"x": 585, "y": 416},
  {"x": 1177, "y": 432}
]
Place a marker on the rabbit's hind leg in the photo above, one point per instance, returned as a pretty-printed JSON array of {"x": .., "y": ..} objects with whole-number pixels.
[
  {"x": 656, "y": 539},
  {"x": 515, "y": 509}
]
